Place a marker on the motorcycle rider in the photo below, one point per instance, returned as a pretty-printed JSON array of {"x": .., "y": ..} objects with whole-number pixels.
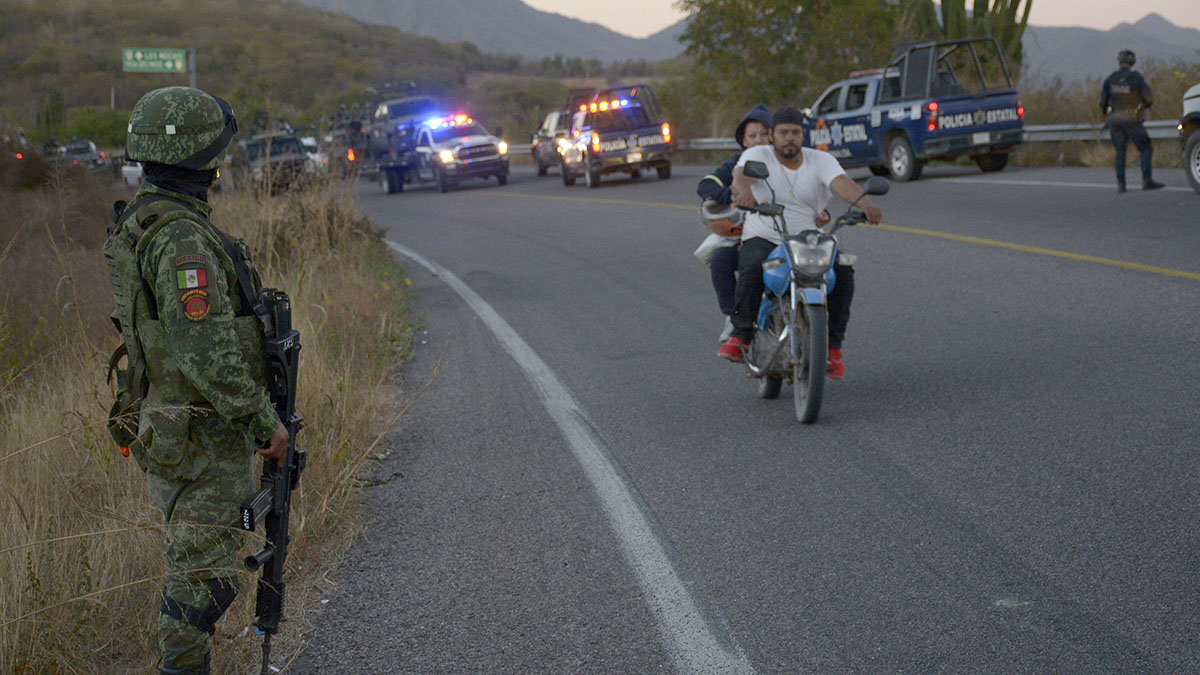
[
  {"x": 1123, "y": 101},
  {"x": 754, "y": 129},
  {"x": 804, "y": 179}
]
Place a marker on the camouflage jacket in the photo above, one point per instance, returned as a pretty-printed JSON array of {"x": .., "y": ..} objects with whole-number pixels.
[{"x": 202, "y": 358}]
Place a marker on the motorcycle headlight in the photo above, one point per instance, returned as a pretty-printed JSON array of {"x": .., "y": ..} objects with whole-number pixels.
[
  {"x": 812, "y": 255},
  {"x": 446, "y": 156}
]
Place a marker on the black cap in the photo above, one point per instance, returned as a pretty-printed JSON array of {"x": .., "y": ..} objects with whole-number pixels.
[{"x": 787, "y": 115}]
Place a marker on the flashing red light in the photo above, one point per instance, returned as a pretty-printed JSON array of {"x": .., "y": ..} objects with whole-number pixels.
[
  {"x": 595, "y": 142},
  {"x": 20, "y": 156},
  {"x": 350, "y": 154},
  {"x": 932, "y": 108},
  {"x": 603, "y": 106},
  {"x": 1020, "y": 108},
  {"x": 592, "y": 107},
  {"x": 582, "y": 107},
  {"x": 102, "y": 156},
  {"x": 75, "y": 162},
  {"x": 666, "y": 129}
]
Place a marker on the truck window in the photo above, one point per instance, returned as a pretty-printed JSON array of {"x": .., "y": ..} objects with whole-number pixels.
[
  {"x": 548, "y": 124},
  {"x": 829, "y": 103},
  {"x": 856, "y": 96},
  {"x": 916, "y": 73},
  {"x": 622, "y": 118},
  {"x": 577, "y": 123},
  {"x": 970, "y": 68}
]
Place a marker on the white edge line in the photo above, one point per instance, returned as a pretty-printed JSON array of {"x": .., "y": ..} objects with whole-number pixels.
[{"x": 696, "y": 640}]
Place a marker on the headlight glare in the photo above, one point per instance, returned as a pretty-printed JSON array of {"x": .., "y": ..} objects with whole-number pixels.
[
  {"x": 446, "y": 156},
  {"x": 503, "y": 147}
]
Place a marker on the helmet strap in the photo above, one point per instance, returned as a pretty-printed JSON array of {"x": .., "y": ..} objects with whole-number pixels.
[{"x": 208, "y": 153}]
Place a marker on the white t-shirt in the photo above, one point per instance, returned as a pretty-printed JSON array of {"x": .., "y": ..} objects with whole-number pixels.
[{"x": 803, "y": 192}]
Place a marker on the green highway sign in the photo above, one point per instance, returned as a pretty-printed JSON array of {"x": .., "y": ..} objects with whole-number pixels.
[{"x": 135, "y": 60}]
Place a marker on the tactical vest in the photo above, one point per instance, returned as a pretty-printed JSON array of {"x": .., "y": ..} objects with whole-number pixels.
[
  {"x": 136, "y": 312},
  {"x": 1125, "y": 102}
]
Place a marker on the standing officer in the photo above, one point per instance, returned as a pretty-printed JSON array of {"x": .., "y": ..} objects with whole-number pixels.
[
  {"x": 196, "y": 361},
  {"x": 1124, "y": 101}
]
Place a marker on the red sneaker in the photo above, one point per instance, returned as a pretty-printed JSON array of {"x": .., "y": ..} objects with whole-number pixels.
[
  {"x": 732, "y": 349},
  {"x": 836, "y": 370}
]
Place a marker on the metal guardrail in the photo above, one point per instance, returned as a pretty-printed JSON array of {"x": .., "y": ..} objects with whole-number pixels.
[{"x": 1044, "y": 133}]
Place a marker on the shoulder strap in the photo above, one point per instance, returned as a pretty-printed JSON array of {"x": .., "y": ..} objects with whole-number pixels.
[{"x": 246, "y": 288}]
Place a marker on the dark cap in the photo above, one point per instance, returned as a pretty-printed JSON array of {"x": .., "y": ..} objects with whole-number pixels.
[
  {"x": 787, "y": 115},
  {"x": 1127, "y": 57}
]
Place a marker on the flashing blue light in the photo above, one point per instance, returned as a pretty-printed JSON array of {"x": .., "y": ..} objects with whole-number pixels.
[{"x": 624, "y": 102}]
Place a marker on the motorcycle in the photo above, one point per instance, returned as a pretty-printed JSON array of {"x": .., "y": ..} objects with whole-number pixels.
[{"x": 792, "y": 339}]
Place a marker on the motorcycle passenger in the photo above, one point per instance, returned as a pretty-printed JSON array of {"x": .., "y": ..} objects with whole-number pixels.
[
  {"x": 1124, "y": 100},
  {"x": 804, "y": 179},
  {"x": 751, "y": 131}
]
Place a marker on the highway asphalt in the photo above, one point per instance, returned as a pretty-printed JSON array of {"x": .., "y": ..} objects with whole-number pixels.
[{"x": 1005, "y": 482}]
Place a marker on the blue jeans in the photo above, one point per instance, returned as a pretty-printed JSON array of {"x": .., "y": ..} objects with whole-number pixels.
[{"x": 723, "y": 268}]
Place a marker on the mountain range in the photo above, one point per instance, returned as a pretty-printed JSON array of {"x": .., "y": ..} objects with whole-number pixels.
[{"x": 1072, "y": 54}]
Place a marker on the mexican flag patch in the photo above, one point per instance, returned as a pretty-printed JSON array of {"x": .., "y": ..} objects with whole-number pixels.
[{"x": 192, "y": 279}]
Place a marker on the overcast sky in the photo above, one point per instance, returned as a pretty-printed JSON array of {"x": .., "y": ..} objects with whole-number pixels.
[{"x": 640, "y": 18}]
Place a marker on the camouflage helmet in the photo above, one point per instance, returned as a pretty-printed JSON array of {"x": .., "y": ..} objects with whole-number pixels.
[{"x": 180, "y": 126}]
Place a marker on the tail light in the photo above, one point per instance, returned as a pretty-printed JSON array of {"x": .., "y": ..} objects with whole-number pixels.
[
  {"x": 103, "y": 157},
  {"x": 20, "y": 156},
  {"x": 932, "y": 109},
  {"x": 1020, "y": 108},
  {"x": 666, "y": 129},
  {"x": 595, "y": 142},
  {"x": 350, "y": 154}
]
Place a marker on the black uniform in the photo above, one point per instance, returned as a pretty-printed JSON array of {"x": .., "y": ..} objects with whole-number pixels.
[{"x": 1124, "y": 101}]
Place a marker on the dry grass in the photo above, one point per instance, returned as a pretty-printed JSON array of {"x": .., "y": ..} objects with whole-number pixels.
[{"x": 80, "y": 541}]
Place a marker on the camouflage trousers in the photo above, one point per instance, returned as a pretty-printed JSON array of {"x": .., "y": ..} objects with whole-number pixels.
[{"x": 199, "y": 498}]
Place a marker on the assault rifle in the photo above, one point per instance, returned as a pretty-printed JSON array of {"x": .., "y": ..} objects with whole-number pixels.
[{"x": 270, "y": 506}]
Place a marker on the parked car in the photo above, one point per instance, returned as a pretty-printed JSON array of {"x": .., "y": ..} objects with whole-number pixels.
[
  {"x": 1189, "y": 136},
  {"x": 548, "y": 139}
]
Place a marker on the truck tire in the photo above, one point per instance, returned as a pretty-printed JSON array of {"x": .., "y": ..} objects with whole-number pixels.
[
  {"x": 992, "y": 162},
  {"x": 442, "y": 181},
  {"x": 591, "y": 177},
  {"x": 902, "y": 162},
  {"x": 1191, "y": 159},
  {"x": 502, "y": 178},
  {"x": 540, "y": 167},
  {"x": 664, "y": 172},
  {"x": 568, "y": 179},
  {"x": 387, "y": 182}
]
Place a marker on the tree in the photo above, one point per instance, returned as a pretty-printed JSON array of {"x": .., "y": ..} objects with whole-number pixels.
[
  {"x": 998, "y": 18},
  {"x": 784, "y": 51}
]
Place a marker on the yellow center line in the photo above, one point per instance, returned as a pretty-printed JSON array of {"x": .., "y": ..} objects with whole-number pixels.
[{"x": 1165, "y": 271}]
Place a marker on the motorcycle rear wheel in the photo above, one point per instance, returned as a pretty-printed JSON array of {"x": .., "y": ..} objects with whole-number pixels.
[{"x": 809, "y": 349}]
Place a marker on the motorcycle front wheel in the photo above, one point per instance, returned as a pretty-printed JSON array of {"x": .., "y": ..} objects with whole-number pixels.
[{"x": 809, "y": 343}]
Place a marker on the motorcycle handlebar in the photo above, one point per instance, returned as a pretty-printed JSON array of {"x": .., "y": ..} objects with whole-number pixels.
[{"x": 764, "y": 209}]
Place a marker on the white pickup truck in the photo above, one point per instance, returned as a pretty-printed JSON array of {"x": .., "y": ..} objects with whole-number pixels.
[{"x": 1189, "y": 136}]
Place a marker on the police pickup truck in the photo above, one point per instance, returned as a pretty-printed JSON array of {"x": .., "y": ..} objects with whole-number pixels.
[
  {"x": 618, "y": 131},
  {"x": 451, "y": 149},
  {"x": 935, "y": 100}
]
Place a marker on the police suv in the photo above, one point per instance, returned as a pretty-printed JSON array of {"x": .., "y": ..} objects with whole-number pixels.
[
  {"x": 936, "y": 100},
  {"x": 618, "y": 131},
  {"x": 454, "y": 148}
]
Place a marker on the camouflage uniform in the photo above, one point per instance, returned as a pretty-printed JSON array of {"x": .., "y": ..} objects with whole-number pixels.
[{"x": 204, "y": 401}]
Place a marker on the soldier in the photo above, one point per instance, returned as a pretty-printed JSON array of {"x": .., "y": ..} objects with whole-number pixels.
[
  {"x": 1124, "y": 101},
  {"x": 196, "y": 361}
]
